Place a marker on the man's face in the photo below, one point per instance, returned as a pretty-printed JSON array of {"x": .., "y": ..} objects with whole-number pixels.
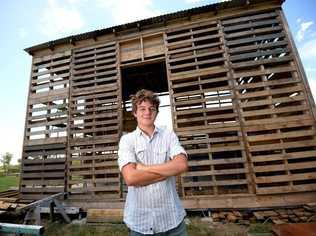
[{"x": 145, "y": 114}]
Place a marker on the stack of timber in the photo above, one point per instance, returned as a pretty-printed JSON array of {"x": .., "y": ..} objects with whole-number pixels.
[
  {"x": 104, "y": 216},
  {"x": 10, "y": 201},
  {"x": 300, "y": 214}
]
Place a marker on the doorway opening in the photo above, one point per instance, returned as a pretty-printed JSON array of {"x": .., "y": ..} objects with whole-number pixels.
[{"x": 152, "y": 76}]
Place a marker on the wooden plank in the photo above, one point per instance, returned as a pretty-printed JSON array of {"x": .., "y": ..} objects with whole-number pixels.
[
  {"x": 172, "y": 52},
  {"x": 51, "y": 63},
  {"x": 220, "y": 51},
  {"x": 285, "y": 178},
  {"x": 279, "y": 69},
  {"x": 284, "y": 145},
  {"x": 95, "y": 74},
  {"x": 93, "y": 69},
  {"x": 217, "y": 183},
  {"x": 51, "y": 71},
  {"x": 201, "y": 110},
  {"x": 189, "y": 25},
  {"x": 104, "y": 215},
  {"x": 110, "y": 148},
  {"x": 202, "y": 127},
  {"x": 191, "y": 32},
  {"x": 272, "y": 101},
  {"x": 41, "y": 175},
  {"x": 93, "y": 57},
  {"x": 260, "y": 31},
  {"x": 249, "y": 25},
  {"x": 201, "y": 72},
  {"x": 96, "y": 46},
  {"x": 45, "y": 141},
  {"x": 217, "y": 161},
  {"x": 107, "y": 95},
  {"x": 274, "y": 111},
  {"x": 42, "y": 190},
  {"x": 255, "y": 17},
  {"x": 293, "y": 134},
  {"x": 36, "y": 80},
  {"x": 250, "y": 56},
  {"x": 190, "y": 41},
  {"x": 215, "y": 172},
  {"x": 251, "y": 48},
  {"x": 196, "y": 63},
  {"x": 286, "y": 189},
  {"x": 80, "y": 66},
  {"x": 198, "y": 92},
  {"x": 268, "y": 83},
  {"x": 48, "y": 182},
  {"x": 289, "y": 156},
  {"x": 105, "y": 51},
  {"x": 95, "y": 172},
  {"x": 38, "y": 60}
]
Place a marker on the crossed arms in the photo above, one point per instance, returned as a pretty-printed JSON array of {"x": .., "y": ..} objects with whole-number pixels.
[{"x": 137, "y": 174}]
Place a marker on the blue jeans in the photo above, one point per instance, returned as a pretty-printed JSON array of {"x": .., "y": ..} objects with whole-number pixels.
[{"x": 180, "y": 230}]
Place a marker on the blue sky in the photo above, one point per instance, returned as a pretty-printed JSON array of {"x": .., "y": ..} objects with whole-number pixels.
[{"x": 27, "y": 23}]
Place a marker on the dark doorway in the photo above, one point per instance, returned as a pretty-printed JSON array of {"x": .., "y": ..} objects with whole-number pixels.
[{"x": 152, "y": 76}]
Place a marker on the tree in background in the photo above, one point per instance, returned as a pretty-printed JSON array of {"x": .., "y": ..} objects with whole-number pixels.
[{"x": 6, "y": 160}]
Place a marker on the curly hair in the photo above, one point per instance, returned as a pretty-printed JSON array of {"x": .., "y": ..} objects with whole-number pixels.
[{"x": 144, "y": 95}]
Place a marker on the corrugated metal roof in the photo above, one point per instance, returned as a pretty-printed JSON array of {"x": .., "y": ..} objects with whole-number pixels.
[{"x": 145, "y": 22}]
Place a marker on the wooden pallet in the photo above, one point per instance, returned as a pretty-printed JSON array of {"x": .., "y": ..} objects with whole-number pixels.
[{"x": 94, "y": 124}]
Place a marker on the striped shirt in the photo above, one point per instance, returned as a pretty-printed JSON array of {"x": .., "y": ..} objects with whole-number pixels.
[{"x": 156, "y": 207}]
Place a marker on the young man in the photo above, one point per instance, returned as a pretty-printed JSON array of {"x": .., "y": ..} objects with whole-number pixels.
[{"x": 149, "y": 159}]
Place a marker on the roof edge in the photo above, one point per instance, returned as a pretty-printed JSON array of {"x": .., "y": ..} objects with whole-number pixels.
[{"x": 148, "y": 21}]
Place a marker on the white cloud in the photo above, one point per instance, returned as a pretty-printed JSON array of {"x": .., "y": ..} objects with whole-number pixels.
[
  {"x": 303, "y": 28},
  {"x": 308, "y": 50},
  {"x": 123, "y": 11},
  {"x": 59, "y": 20},
  {"x": 312, "y": 85},
  {"x": 308, "y": 54}
]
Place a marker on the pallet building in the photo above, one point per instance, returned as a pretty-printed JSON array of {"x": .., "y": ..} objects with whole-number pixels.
[{"x": 231, "y": 80}]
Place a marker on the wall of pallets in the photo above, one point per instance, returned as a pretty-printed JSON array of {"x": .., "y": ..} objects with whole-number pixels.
[
  {"x": 240, "y": 106},
  {"x": 94, "y": 124},
  {"x": 45, "y": 140}
]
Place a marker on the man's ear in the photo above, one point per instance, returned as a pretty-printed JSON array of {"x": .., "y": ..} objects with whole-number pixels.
[{"x": 134, "y": 113}]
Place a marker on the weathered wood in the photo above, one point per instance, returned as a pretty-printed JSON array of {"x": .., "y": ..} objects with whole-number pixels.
[{"x": 239, "y": 100}]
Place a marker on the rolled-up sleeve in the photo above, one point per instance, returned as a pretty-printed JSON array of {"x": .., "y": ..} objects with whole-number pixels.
[
  {"x": 175, "y": 147},
  {"x": 126, "y": 152}
]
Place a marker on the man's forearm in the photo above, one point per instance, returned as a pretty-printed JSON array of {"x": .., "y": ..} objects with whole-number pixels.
[
  {"x": 136, "y": 177},
  {"x": 174, "y": 167}
]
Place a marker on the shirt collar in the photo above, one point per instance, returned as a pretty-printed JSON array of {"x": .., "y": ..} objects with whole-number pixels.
[{"x": 140, "y": 132}]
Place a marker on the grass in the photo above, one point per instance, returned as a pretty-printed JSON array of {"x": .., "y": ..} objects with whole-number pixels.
[
  {"x": 195, "y": 228},
  {"x": 53, "y": 229},
  {"x": 8, "y": 181}
]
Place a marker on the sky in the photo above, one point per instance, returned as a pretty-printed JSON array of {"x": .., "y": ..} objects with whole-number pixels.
[{"x": 27, "y": 23}]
